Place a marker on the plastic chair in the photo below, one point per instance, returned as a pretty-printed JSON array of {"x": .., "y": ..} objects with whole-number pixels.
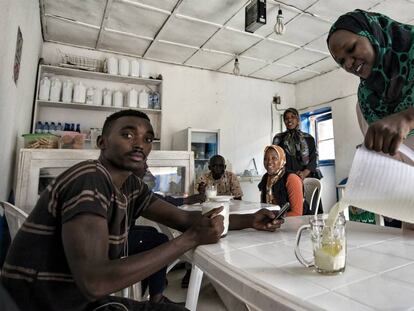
[
  {"x": 15, "y": 217},
  {"x": 312, "y": 193}
]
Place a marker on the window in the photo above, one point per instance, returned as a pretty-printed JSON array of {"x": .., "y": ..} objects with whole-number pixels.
[{"x": 319, "y": 124}]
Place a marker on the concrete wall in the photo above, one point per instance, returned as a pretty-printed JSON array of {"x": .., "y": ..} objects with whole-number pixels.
[
  {"x": 16, "y": 100},
  {"x": 197, "y": 98}
]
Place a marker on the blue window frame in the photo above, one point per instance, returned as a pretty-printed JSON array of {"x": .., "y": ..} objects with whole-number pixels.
[{"x": 319, "y": 124}]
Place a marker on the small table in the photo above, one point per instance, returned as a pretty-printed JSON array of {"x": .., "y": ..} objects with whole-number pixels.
[{"x": 260, "y": 269}]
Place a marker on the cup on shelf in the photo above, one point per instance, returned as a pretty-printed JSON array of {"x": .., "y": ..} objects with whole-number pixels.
[
  {"x": 79, "y": 93},
  {"x": 107, "y": 97},
  {"x": 67, "y": 91},
  {"x": 123, "y": 67},
  {"x": 112, "y": 65},
  {"x": 118, "y": 99},
  {"x": 44, "y": 89},
  {"x": 134, "y": 68}
]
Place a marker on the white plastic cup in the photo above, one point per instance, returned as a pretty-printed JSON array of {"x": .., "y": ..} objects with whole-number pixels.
[{"x": 208, "y": 206}]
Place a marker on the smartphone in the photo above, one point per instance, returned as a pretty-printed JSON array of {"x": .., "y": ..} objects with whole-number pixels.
[{"x": 283, "y": 210}]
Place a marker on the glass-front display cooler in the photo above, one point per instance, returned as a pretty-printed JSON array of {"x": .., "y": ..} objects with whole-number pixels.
[
  {"x": 204, "y": 143},
  {"x": 171, "y": 172}
]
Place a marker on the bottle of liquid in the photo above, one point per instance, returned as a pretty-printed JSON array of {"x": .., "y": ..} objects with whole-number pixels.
[
  {"x": 67, "y": 127},
  {"x": 45, "y": 129},
  {"x": 39, "y": 127},
  {"x": 156, "y": 104},
  {"x": 59, "y": 127},
  {"x": 78, "y": 128},
  {"x": 52, "y": 128},
  {"x": 72, "y": 127}
]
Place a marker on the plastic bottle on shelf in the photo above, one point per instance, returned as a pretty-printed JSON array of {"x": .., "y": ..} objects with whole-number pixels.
[
  {"x": 156, "y": 104},
  {"x": 150, "y": 100},
  {"x": 72, "y": 127},
  {"x": 143, "y": 99},
  {"x": 90, "y": 92},
  {"x": 52, "y": 128},
  {"x": 44, "y": 89},
  {"x": 78, "y": 128},
  {"x": 55, "y": 90},
  {"x": 45, "y": 128},
  {"x": 39, "y": 127},
  {"x": 67, "y": 127},
  {"x": 67, "y": 91},
  {"x": 59, "y": 127}
]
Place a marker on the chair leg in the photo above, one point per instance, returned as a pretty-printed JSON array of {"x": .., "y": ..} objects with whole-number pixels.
[
  {"x": 194, "y": 288},
  {"x": 137, "y": 291}
]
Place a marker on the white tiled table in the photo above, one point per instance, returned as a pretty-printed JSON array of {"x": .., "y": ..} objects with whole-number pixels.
[{"x": 260, "y": 268}]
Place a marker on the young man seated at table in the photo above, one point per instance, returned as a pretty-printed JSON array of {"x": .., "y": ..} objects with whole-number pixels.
[
  {"x": 225, "y": 182},
  {"x": 71, "y": 253}
]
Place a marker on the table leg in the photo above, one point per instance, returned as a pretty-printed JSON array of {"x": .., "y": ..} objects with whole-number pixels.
[{"x": 194, "y": 288}]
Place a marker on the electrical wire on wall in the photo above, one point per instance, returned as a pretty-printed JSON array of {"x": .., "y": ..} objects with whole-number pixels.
[{"x": 273, "y": 107}]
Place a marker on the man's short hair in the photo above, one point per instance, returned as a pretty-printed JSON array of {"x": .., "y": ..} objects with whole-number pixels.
[
  {"x": 119, "y": 114},
  {"x": 217, "y": 157}
]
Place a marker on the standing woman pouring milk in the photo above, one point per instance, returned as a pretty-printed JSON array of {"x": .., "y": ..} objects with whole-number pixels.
[{"x": 380, "y": 51}]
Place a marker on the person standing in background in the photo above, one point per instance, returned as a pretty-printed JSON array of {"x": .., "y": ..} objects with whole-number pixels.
[{"x": 299, "y": 147}]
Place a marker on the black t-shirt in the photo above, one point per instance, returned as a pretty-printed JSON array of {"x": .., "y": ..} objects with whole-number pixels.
[{"x": 36, "y": 272}]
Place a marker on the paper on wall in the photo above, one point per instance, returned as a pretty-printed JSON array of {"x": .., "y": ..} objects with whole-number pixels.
[{"x": 381, "y": 184}]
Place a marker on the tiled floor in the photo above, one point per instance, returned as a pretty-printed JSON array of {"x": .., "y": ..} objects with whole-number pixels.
[{"x": 208, "y": 299}]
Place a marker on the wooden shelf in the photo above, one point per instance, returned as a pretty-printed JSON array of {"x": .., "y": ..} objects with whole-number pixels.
[
  {"x": 53, "y": 104},
  {"x": 98, "y": 75}
]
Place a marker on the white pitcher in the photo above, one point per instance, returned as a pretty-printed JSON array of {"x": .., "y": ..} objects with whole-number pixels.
[
  {"x": 67, "y": 91},
  {"x": 90, "y": 92},
  {"x": 134, "y": 68},
  {"x": 107, "y": 97},
  {"x": 123, "y": 67},
  {"x": 97, "y": 97},
  {"x": 132, "y": 98},
  {"x": 112, "y": 65},
  {"x": 79, "y": 93},
  {"x": 44, "y": 89},
  {"x": 118, "y": 99},
  {"x": 143, "y": 99}
]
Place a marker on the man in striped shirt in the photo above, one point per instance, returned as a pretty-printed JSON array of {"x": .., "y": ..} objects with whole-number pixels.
[{"x": 71, "y": 252}]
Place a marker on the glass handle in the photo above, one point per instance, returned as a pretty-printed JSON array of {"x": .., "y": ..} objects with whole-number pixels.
[{"x": 298, "y": 255}]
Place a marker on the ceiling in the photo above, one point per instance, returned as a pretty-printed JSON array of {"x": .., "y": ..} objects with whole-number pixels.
[{"x": 210, "y": 33}]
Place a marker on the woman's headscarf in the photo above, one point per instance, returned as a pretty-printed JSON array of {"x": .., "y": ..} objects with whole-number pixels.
[
  {"x": 280, "y": 170},
  {"x": 389, "y": 88},
  {"x": 294, "y": 141}
]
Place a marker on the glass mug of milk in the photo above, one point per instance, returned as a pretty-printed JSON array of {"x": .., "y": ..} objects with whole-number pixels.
[
  {"x": 211, "y": 191},
  {"x": 329, "y": 245},
  {"x": 208, "y": 206}
]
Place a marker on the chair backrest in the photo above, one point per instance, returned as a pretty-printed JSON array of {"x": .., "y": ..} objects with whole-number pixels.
[
  {"x": 312, "y": 193},
  {"x": 15, "y": 217}
]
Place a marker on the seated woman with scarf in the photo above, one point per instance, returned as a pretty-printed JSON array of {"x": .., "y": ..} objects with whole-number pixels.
[
  {"x": 301, "y": 153},
  {"x": 279, "y": 186}
]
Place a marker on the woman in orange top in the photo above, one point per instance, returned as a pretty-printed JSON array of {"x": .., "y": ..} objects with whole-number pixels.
[{"x": 277, "y": 186}]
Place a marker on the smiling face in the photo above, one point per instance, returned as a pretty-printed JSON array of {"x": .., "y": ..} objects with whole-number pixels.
[
  {"x": 291, "y": 120},
  {"x": 128, "y": 143},
  {"x": 352, "y": 52},
  {"x": 271, "y": 161}
]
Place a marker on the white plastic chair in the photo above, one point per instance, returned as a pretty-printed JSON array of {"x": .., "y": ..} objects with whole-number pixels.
[
  {"x": 15, "y": 217},
  {"x": 312, "y": 196}
]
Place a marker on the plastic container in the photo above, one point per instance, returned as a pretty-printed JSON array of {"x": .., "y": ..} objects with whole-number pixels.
[
  {"x": 72, "y": 140},
  {"x": 41, "y": 141}
]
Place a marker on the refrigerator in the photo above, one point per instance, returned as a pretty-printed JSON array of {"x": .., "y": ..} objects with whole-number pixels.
[{"x": 204, "y": 143}]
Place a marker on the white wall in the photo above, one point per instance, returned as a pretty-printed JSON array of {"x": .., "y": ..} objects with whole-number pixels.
[
  {"x": 336, "y": 89},
  {"x": 16, "y": 101},
  {"x": 197, "y": 98}
]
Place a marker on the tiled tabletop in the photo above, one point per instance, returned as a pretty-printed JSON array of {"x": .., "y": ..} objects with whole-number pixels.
[{"x": 261, "y": 269}]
